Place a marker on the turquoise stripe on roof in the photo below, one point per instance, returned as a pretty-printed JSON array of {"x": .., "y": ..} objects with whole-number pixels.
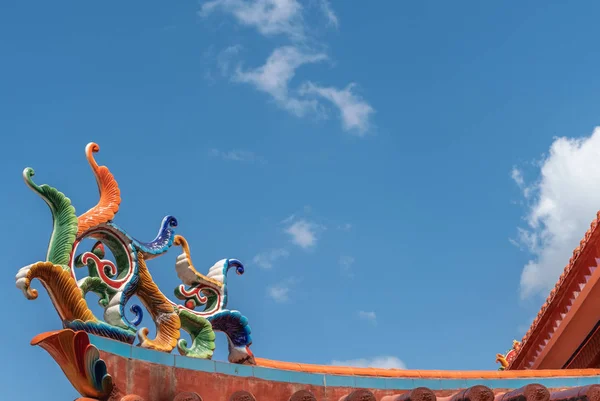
[{"x": 320, "y": 379}]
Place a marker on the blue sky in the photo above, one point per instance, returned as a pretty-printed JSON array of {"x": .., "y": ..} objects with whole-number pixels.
[{"x": 403, "y": 181}]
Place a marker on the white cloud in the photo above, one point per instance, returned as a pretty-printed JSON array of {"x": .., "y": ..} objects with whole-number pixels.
[
  {"x": 517, "y": 176},
  {"x": 288, "y": 219},
  {"x": 225, "y": 57},
  {"x": 382, "y": 362},
  {"x": 563, "y": 202},
  {"x": 287, "y": 17},
  {"x": 268, "y": 258},
  {"x": 354, "y": 112},
  {"x": 345, "y": 227},
  {"x": 275, "y": 75},
  {"x": 346, "y": 263},
  {"x": 303, "y": 233},
  {"x": 329, "y": 13},
  {"x": 370, "y": 316},
  {"x": 269, "y": 17},
  {"x": 281, "y": 292},
  {"x": 238, "y": 155}
]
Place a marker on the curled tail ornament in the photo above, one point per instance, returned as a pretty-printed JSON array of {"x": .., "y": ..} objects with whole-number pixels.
[
  {"x": 162, "y": 242},
  {"x": 219, "y": 272},
  {"x": 162, "y": 312},
  {"x": 64, "y": 220},
  {"x": 68, "y": 300},
  {"x": 236, "y": 328},
  {"x": 110, "y": 195},
  {"x": 60, "y": 286}
]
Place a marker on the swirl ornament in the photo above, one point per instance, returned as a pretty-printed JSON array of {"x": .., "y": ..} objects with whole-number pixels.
[
  {"x": 116, "y": 272},
  {"x": 139, "y": 314}
]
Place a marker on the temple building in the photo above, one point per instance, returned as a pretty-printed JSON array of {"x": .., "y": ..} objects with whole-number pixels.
[{"x": 114, "y": 359}]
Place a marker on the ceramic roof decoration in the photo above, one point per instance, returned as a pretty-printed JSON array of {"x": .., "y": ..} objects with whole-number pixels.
[
  {"x": 558, "y": 359},
  {"x": 115, "y": 282}
]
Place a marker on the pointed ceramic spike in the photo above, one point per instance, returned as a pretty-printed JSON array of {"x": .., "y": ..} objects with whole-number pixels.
[
  {"x": 545, "y": 342},
  {"x": 575, "y": 295},
  {"x": 562, "y": 315}
]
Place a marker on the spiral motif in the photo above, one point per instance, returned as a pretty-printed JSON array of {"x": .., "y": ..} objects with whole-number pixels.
[
  {"x": 139, "y": 314},
  {"x": 239, "y": 267}
]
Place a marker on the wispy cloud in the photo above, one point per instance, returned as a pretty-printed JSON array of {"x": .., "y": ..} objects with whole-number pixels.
[
  {"x": 370, "y": 316},
  {"x": 303, "y": 233},
  {"x": 517, "y": 175},
  {"x": 268, "y": 258},
  {"x": 329, "y": 13},
  {"x": 382, "y": 362},
  {"x": 346, "y": 263},
  {"x": 269, "y": 17},
  {"x": 275, "y": 75},
  {"x": 238, "y": 156},
  {"x": 289, "y": 18},
  {"x": 225, "y": 58},
  {"x": 345, "y": 227},
  {"x": 281, "y": 292},
  {"x": 288, "y": 219},
  {"x": 355, "y": 113},
  {"x": 561, "y": 204}
]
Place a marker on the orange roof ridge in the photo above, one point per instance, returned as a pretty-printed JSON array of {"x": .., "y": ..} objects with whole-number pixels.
[
  {"x": 424, "y": 374},
  {"x": 557, "y": 294}
]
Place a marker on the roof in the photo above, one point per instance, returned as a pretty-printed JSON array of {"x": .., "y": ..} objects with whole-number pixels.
[
  {"x": 137, "y": 374},
  {"x": 557, "y": 305}
]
